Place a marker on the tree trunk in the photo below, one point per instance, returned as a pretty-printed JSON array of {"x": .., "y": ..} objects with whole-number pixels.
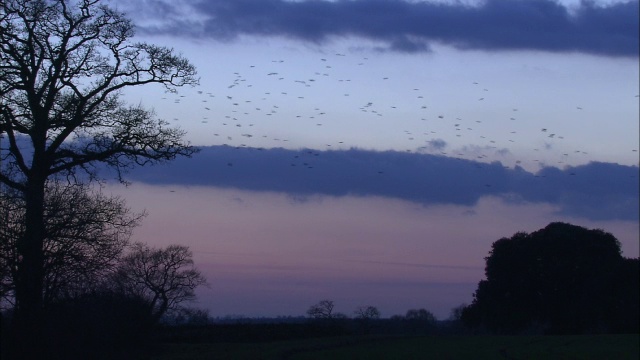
[
  {"x": 29, "y": 316},
  {"x": 30, "y": 251}
]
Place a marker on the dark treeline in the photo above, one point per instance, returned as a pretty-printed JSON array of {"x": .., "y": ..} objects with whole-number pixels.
[
  {"x": 563, "y": 279},
  {"x": 278, "y": 331}
]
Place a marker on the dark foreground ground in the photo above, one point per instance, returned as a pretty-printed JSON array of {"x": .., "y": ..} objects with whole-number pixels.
[{"x": 594, "y": 347}]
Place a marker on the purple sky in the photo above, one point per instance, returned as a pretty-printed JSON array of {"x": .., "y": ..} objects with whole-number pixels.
[
  {"x": 369, "y": 152},
  {"x": 267, "y": 254}
]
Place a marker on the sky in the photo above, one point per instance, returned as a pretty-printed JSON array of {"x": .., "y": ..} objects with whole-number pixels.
[{"x": 370, "y": 151}]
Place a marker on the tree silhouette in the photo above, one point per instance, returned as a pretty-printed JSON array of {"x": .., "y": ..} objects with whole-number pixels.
[
  {"x": 420, "y": 320},
  {"x": 367, "y": 313},
  {"x": 63, "y": 67},
  {"x": 421, "y": 315},
  {"x": 85, "y": 235},
  {"x": 163, "y": 277},
  {"x": 456, "y": 313},
  {"x": 322, "y": 310},
  {"x": 560, "y": 279}
]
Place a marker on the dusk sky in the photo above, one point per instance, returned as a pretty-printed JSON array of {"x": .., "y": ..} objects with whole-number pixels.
[{"x": 370, "y": 151}]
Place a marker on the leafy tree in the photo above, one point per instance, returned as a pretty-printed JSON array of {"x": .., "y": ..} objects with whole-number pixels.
[
  {"x": 322, "y": 310},
  {"x": 163, "y": 277},
  {"x": 63, "y": 67},
  {"x": 560, "y": 279},
  {"x": 85, "y": 235}
]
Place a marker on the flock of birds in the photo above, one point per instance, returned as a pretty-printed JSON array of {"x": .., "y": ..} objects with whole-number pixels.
[{"x": 273, "y": 103}]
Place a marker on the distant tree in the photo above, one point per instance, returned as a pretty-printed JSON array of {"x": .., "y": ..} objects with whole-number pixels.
[
  {"x": 85, "y": 235},
  {"x": 321, "y": 310},
  {"x": 365, "y": 317},
  {"x": 367, "y": 313},
  {"x": 164, "y": 278},
  {"x": 453, "y": 324},
  {"x": 456, "y": 312},
  {"x": 415, "y": 321},
  {"x": 420, "y": 320},
  {"x": 421, "y": 315},
  {"x": 560, "y": 279}
]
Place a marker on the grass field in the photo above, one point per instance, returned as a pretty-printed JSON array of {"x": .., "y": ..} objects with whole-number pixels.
[{"x": 596, "y": 347}]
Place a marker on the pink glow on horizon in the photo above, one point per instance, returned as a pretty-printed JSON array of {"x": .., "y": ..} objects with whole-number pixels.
[{"x": 268, "y": 254}]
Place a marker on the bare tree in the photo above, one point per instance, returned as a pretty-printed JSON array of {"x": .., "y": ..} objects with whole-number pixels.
[
  {"x": 85, "y": 235},
  {"x": 63, "y": 67},
  {"x": 367, "y": 313},
  {"x": 163, "y": 277},
  {"x": 321, "y": 310}
]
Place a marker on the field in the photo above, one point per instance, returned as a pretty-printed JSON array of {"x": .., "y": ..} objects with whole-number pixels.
[{"x": 586, "y": 347}]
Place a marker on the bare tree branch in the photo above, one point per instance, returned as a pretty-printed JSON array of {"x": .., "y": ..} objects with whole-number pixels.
[
  {"x": 86, "y": 233},
  {"x": 164, "y": 277},
  {"x": 61, "y": 72}
]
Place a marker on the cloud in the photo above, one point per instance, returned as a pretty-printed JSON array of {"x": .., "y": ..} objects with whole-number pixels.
[
  {"x": 596, "y": 191},
  {"x": 411, "y": 26}
]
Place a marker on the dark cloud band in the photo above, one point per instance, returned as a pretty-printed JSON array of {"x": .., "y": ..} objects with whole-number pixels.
[
  {"x": 543, "y": 25},
  {"x": 598, "y": 191}
]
